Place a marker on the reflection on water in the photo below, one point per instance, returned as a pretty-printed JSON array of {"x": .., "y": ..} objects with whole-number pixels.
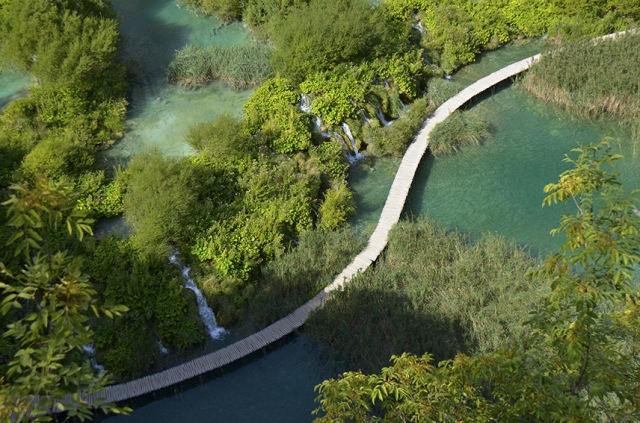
[{"x": 160, "y": 114}]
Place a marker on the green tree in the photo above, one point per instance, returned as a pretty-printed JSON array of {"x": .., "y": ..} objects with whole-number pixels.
[
  {"x": 318, "y": 36},
  {"x": 53, "y": 300},
  {"x": 580, "y": 362}
]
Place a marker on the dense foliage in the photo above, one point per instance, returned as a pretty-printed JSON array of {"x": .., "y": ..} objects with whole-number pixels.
[
  {"x": 51, "y": 301},
  {"x": 592, "y": 79},
  {"x": 236, "y": 206},
  {"x": 434, "y": 291},
  {"x": 78, "y": 103},
  {"x": 456, "y": 30},
  {"x": 160, "y": 309},
  {"x": 578, "y": 360}
]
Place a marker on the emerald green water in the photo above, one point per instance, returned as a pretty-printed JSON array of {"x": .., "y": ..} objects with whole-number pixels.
[
  {"x": 13, "y": 85},
  {"x": 496, "y": 187},
  {"x": 159, "y": 113}
]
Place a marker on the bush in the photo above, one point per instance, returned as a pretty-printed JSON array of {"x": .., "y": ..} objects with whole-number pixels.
[
  {"x": 160, "y": 309},
  {"x": 337, "y": 207},
  {"x": 317, "y": 37},
  {"x": 458, "y": 130},
  {"x": 159, "y": 202},
  {"x": 224, "y": 137},
  {"x": 272, "y": 112},
  {"x": 394, "y": 139}
]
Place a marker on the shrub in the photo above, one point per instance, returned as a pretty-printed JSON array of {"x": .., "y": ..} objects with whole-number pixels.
[
  {"x": 316, "y": 37},
  {"x": 159, "y": 202},
  {"x": 458, "y": 130},
  {"x": 337, "y": 207}
]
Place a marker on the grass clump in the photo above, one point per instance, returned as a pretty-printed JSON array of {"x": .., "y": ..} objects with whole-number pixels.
[
  {"x": 592, "y": 79},
  {"x": 239, "y": 66},
  {"x": 434, "y": 292},
  {"x": 295, "y": 277},
  {"x": 458, "y": 130}
]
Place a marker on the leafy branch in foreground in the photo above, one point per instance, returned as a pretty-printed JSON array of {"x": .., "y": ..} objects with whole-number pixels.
[
  {"x": 54, "y": 301},
  {"x": 581, "y": 362}
]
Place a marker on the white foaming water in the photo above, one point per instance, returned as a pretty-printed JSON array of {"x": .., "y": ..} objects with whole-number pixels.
[
  {"x": 91, "y": 351},
  {"x": 305, "y": 103},
  {"x": 356, "y": 154},
  {"x": 163, "y": 350},
  {"x": 383, "y": 121},
  {"x": 206, "y": 314}
]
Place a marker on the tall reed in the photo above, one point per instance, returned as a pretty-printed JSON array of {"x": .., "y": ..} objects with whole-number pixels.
[
  {"x": 239, "y": 66},
  {"x": 591, "y": 78},
  {"x": 433, "y": 291}
]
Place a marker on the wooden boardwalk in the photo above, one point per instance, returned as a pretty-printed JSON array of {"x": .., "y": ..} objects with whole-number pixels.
[{"x": 377, "y": 242}]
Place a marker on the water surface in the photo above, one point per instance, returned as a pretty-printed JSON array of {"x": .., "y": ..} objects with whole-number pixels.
[
  {"x": 160, "y": 114},
  {"x": 13, "y": 85}
]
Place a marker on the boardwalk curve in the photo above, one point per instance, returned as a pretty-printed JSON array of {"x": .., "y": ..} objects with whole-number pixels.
[{"x": 377, "y": 242}]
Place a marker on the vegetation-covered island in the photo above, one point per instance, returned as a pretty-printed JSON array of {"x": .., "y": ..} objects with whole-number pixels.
[{"x": 478, "y": 328}]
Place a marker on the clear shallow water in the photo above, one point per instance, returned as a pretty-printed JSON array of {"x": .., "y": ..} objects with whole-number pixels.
[
  {"x": 159, "y": 113},
  {"x": 13, "y": 85},
  {"x": 498, "y": 187}
]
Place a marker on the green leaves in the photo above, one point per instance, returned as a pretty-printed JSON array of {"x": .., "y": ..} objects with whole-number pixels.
[
  {"x": 55, "y": 323},
  {"x": 579, "y": 361},
  {"x": 37, "y": 212}
]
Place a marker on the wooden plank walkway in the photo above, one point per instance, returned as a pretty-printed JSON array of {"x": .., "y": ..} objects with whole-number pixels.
[{"x": 377, "y": 242}]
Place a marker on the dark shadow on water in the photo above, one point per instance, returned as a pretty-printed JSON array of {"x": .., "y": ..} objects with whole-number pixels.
[{"x": 364, "y": 326}]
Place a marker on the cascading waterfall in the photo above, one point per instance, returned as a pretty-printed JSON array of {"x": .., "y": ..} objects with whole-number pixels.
[
  {"x": 163, "y": 350},
  {"x": 91, "y": 352},
  {"x": 206, "y": 314},
  {"x": 305, "y": 106},
  {"x": 382, "y": 119},
  {"x": 305, "y": 103},
  {"x": 356, "y": 154}
]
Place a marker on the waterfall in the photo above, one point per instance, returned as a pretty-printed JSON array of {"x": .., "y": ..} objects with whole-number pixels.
[
  {"x": 380, "y": 115},
  {"x": 163, "y": 350},
  {"x": 353, "y": 158},
  {"x": 206, "y": 314},
  {"x": 317, "y": 124},
  {"x": 356, "y": 154},
  {"x": 419, "y": 27},
  {"x": 305, "y": 103},
  {"x": 91, "y": 351}
]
